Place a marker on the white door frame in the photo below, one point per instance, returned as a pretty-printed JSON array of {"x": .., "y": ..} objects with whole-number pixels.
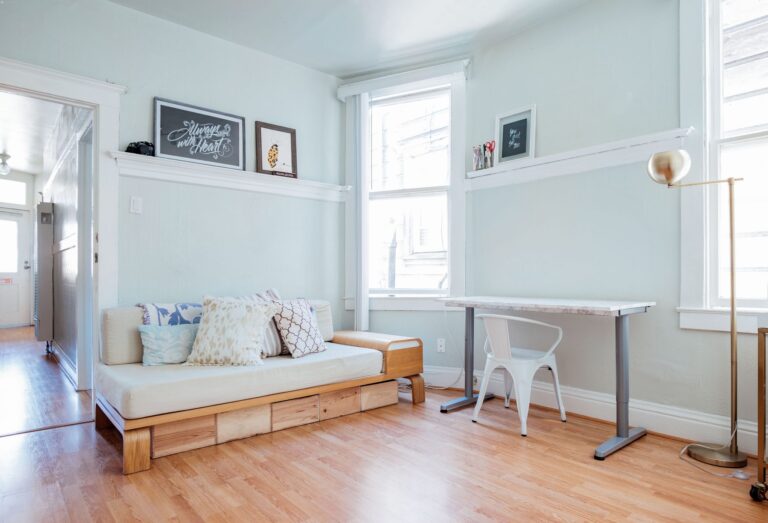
[{"x": 104, "y": 99}]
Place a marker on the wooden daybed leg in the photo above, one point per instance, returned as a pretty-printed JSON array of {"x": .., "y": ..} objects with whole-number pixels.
[
  {"x": 417, "y": 388},
  {"x": 136, "y": 445},
  {"x": 101, "y": 420}
]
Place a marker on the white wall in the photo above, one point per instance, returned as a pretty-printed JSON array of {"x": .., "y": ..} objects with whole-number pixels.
[
  {"x": 606, "y": 71},
  {"x": 192, "y": 241}
]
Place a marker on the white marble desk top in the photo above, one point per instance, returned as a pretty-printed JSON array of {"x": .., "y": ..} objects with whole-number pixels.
[{"x": 551, "y": 305}]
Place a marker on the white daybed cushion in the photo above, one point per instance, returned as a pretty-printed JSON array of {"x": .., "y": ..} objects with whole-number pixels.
[{"x": 137, "y": 391}]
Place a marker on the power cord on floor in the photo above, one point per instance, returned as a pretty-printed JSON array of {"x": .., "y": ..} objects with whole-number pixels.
[
  {"x": 461, "y": 371},
  {"x": 736, "y": 474}
]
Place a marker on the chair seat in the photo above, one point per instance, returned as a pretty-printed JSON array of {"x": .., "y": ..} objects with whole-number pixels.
[{"x": 527, "y": 354}]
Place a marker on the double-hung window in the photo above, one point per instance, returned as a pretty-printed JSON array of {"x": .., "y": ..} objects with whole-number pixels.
[
  {"x": 405, "y": 160},
  {"x": 738, "y": 148},
  {"x": 408, "y": 196}
]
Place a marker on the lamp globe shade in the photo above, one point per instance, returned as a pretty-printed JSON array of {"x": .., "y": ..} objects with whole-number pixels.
[{"x": 669, "y": 167}]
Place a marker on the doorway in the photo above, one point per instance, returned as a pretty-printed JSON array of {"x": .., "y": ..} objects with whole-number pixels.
[{"x": 45, "y": 353}]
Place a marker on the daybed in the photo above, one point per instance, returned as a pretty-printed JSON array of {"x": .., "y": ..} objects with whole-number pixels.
[{"x": 162, "y": 410}]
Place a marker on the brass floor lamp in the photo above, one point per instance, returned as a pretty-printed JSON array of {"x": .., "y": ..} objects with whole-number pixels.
[{"x": 669, "y": 168}]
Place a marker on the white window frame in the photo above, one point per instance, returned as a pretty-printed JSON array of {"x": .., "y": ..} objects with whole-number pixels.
[
  {"x": 452, "y": 74},
  {"x": 699, "y": 69}
]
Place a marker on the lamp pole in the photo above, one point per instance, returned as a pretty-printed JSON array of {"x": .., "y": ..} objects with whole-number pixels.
[{"x": 710, "y": 453}]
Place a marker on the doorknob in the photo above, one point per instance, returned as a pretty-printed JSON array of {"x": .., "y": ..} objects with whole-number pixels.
[{"x": 27, "y": 266}]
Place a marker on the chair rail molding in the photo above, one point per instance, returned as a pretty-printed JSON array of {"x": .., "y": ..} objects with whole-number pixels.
[
  {"x": 178, "y": 171},
  {"x": 611, "y": 154}
]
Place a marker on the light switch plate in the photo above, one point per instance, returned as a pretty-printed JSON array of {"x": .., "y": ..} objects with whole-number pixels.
[{"x": 137, "y": 205}]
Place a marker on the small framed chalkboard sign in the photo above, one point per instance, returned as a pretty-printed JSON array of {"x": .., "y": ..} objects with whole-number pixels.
[{"x": 194, "y": 134}]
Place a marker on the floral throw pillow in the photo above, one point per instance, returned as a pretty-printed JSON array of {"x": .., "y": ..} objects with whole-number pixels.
[
  {"x": 231, "y": 332},
  {"x": 171, "y": 313},
  {"x": 298, "y": 328}
]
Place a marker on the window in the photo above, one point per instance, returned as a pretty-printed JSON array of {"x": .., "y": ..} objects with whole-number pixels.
[
  {"x": 410, "y": 172},
  {"x": 739, "y": 148},
  {"x": 13, "y": 192}
]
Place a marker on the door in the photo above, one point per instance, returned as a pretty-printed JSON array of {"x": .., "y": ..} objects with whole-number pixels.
[{"x": 15, "y": 273}]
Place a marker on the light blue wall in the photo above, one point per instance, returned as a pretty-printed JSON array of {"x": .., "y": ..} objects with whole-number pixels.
[
  {"x": 179, "y": 250},
  {"x": 191, "y": 240},
  {"x": 603, "y": 72}
]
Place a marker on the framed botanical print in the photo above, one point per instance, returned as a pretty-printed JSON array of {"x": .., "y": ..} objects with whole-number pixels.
[
  {"x": 515, "y": 134},
  {"x": 190, "y": 133},
  {"x": 276, "y": 150}
]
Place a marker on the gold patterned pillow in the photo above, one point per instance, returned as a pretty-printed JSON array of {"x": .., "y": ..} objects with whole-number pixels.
[
  {"x": 231, "y": 332},
  {"x": 298, "y": 328}
]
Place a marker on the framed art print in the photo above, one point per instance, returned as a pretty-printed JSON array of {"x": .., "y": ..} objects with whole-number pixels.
[
  {"x": 190, "y": 133},
  {"x": 275, "y": 150},
  {"x": 515, "y": 134}
]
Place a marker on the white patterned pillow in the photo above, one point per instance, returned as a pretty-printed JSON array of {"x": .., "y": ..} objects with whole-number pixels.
[
  {"x": 231, "y": 332},
  {"x": 273, "y": 345},
  {"x": 298, "y": 328}
]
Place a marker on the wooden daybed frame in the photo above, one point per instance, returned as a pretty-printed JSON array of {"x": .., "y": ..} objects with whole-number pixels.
[{"x": 173, "y": 432}]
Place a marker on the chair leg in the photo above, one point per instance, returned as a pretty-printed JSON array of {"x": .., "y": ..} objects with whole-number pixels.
[
  {"x": 507, "y": 388},
  {"x": 523, "y": 399},
  {"x": 489, "y": 368},
  {"x": 556, "y": 382}
]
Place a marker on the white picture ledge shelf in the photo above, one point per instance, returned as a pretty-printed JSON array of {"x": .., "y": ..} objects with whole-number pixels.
[
  {"x": 588, "y": 159},
  {"x": 163, "y": 169}
]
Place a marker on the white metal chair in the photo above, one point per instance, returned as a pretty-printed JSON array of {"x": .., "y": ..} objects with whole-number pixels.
[{"x": 519, "y": 365}]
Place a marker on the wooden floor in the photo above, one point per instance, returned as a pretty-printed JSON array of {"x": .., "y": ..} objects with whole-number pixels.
[
  {"x": 34, "y": 393},
  {"x": 398, "y": 463}
]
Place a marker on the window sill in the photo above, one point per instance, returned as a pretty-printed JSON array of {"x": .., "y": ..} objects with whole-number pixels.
[
  {"x": 718, "y": 320},
  {"x": 404, "y": 303}
]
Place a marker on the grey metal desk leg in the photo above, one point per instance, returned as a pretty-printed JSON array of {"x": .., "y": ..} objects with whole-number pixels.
[
  {"x": 624, "y": 434},
  {"x": 469, "y": 397}
]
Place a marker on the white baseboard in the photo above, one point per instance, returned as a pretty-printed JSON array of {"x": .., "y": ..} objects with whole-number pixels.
[
  {"x": 66, "y": 364},
  {"x": 663, "y": 419}
]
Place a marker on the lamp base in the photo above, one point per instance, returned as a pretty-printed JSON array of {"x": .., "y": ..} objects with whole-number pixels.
[{"x": 719, "y": 458}]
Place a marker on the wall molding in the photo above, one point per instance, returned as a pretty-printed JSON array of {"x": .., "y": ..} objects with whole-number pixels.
[
  {"x": 67, "y": 366},
  {"x": 163, "y": 169},
  {"x": 663, "y": 419},
  {"x": 578, "y": 161}
]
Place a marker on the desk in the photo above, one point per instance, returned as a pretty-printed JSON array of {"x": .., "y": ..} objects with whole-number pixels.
[{"x": 620, "y": 310}]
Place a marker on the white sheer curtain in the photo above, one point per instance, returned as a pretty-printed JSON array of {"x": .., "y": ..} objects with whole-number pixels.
[{"x": 357, "y": 169}]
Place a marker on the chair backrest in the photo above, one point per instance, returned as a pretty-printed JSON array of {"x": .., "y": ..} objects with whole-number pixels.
[{"x": 497, "y": 329}]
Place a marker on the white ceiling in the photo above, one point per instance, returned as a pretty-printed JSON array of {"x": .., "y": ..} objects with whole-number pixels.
[
  {"x": 26, "y": 124},
  {"x": 352, "y": 37}
]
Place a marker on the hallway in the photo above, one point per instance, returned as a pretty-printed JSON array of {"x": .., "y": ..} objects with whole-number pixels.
[{"x": 35, "y": 392}]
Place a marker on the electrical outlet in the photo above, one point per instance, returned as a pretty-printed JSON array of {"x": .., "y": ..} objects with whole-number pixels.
[
  {"x": 440, "y": 344},
  {"x": 474, "y": 380}
]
